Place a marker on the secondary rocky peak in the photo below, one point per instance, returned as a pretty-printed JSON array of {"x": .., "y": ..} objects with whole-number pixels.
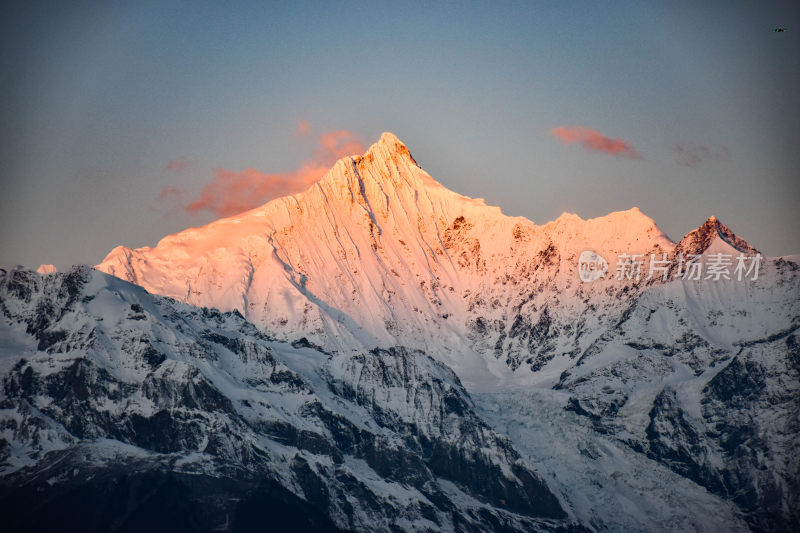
[{"x": 700, "y": 239}]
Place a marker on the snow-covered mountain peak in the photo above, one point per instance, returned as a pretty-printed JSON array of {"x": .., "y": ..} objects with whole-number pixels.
[
  {"x": 633, "y": 219},
  {"x": 713, "y": 234},
  {"x": 629, "y": 231},
  {"x": 633, "y": 216},
  {"x": 668, "y": 386},
  {"x": 389, "y": 146},
  {"x": 377, "y": 253},
  {"x": 387, "y": 164}
]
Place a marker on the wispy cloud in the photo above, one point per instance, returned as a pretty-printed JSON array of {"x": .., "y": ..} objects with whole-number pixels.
[
  {"x": 170, "y": 200},
  {"x": 176, "y": 165},
  {"x": 594, "y": 141},
  {"x": 337, "y": 144},
  {"x": 231, "y": 192},
  {"x": 691, "y": 154},
  {"x": 303, "y": 128},
  {"x": 170, "y": 193}
]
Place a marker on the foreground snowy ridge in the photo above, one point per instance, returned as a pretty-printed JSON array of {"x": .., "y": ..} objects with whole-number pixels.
[{"x": 111, "y": 393}]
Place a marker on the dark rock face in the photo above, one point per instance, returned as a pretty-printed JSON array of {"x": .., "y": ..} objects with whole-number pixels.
[
  {"x": 733, "y": 449},
  {"x": 753, "y": 417},
  {"x": 138, "y": 413},
  {"x": 123, "y": 498},
  {"x": 457, "y": 453},
  {"x": 674, "y": 441}
]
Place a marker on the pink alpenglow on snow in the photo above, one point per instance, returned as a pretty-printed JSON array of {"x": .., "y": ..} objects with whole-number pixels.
[
  {"x": 46, "y": 269},
  {"x": 594, "y": 141},
  {"x": 378, "y": 253}
]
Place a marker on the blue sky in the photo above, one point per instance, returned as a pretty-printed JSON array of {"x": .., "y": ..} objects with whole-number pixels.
[{"x": 98, "y": 98}]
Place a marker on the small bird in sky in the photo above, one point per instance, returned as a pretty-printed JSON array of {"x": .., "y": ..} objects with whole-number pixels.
[{"x": 779, "y": 30}]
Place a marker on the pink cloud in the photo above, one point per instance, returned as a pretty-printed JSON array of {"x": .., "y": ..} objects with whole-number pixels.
[
  {"x": 334, "y": 145},
  {"x": 231, "y": 192},
  {"x": 691, "y": 155},
  {"x": 594, "y": 141},
  {"x": 176, "y": 165}
]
